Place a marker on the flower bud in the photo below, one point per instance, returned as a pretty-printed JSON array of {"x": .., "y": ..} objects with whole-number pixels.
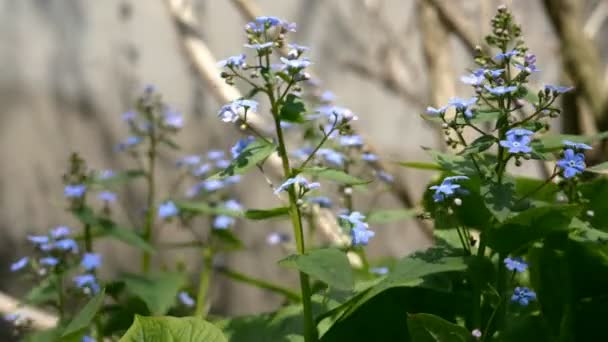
[{"x": 457, "y": 201}]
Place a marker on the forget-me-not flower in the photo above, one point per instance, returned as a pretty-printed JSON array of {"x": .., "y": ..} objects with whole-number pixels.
[
  {"x": 167, "y": 209},
  {"x": 236, "y": 62},
  {"x": 576, "y": 145},
  {"x": 240, "y": 146},
  {"x": 463, "y": 105},
  {"x": 518, "y": 140},
  {"x": 501, "y": 90},
  {"x": 516, "y": 264},
  {"x": 300, "y": 180},
  {"x": 107, "y": 196},
  {"x": 20, "y": 264},
  {"x": 185, "y": 299},
  {"x": 60, "y": 231},
  {"x": 523, "y": 296},
  {"x": 74, "y": 190},
  {"x": 558, "y": 89},
  {"x": 572, "y": 163},
  {"x": 91, "y": 261},
  {"x": 446, "y": 188}
]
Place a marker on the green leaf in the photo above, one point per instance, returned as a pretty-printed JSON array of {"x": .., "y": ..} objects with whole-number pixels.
[
  {"x": 172, "y": 329},
  {"x": 329, "y": 265},
  {"x": 479, "y": 145},
  {"x": 420, "y": 165},
  {"x": 454, "y": 163},
  {"x": 599, "y": 168},
  {"x": 292, "y": 109},
  {"x": 555, "y": 142},
  {"x": 537, "y": 189},
  {"x": 530, "y": 225},
  {"x": 408, "y": 272},
  {"x": 499, "y": 198},
  {"x": 102, "y": 227},
  {"x": 44, "y": 292},
  {"x": 262, "y": 214},
  {"x": 157, "y": 290},
  {"x": 117, "y": 178},
  {"x": 333, "y": 175},
  {"x": 206, "y": 209},
  {"x": 228, "y": 240},
  {"x": 252, "y": 155},
  {"x": 83, "y": 319},
  {"x": 390, "y": 215},
  {"x": 430, "y": 328},
  {"x": 582, "y": 231},
  {"x": 594, "y": 193}
]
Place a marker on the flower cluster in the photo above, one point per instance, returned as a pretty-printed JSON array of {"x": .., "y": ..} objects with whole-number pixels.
[
  {"x": 359, "y": 232},
  {"x": 447, "y": 188}
]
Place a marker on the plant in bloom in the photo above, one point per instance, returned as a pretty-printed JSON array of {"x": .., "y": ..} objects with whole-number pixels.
[
  {"x": 447, "y": 188},
  {"x": 518, "y": 140},
  {"x": 572, "y": 164},
  {"x": 523, "y": 296},
  {"x": 167, "y": 209},
  {"x": 516, "y": 264}
]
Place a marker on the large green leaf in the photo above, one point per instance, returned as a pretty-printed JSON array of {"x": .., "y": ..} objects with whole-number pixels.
[
  {"x": 390, "y": 215},
  {"x": 262, "y": 214},
  {"x": 292, "y": 109},
  {"x": 83, "y": 319},
  {"x": 329, "y": 265},
  {"x": 530, "y": 225},
  {"x": 430, "y": 328},
  {"x": 157, "y": 290},
  {"x": 102, "y": 227},
  {"x": 333, "y": 175},
  {"x": 596, "y": 206},
  {"x": 408, "y": 272},
  {"x": 43, "y": 292},
  {"x": 172, "y": 329},
  {"x": 253, "y": 154}
]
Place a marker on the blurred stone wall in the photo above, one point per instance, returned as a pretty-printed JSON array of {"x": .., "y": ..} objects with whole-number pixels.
[{"x": 69, "y": 68}]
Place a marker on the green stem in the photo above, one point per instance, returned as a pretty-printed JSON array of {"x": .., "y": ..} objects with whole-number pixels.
[
  {"x": 262, "y": 284},
  {"x": 501, "y": 286},
  {"x": 477, "y": 286},
  {"x": 149, "y": 223},
  {"x": 310, "y": 330},
  {"x": 88, "y": 238},
  {"x": 60, "y": 297},
  {"x": 203, "y": 285}
]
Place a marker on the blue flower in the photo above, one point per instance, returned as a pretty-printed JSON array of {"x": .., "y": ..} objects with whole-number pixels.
[
  {"x": 215, "y": 154},
  {"x": 472, "y": 79},
  {"x": 237, "y": 61},
  {"x": 222, "y": 164},
  {"x": 304, "y": 152},
  {"x": 322, "y": 201},
  {"x": 300, "y": 180},
  {"x": 129, "y": 116},
  {"x": 107, "y": 196},
  {"x": 327, "y": 97},
  {"x": 211, "y": 185},
  {"x": 500, "y": 56},
  {"x": 259, "y": 46},
  {"x": 241, "y": 145},
  {"x": 575, "y": 145},
  {"x": 246, "y": 104},
  {"x": 295, "y": 65},
  {"x": 518, "y": 140},
  {"x": 230, "y": 180},
  {"x": 87, "y": 338},
  {"x": 335, "y": 113},
  {"x": 60, "y": 231},
  {"x": 167, "y": 209},
  {"x": 185, "y": 299},
  {"x": 87, "y": 282},
  {"x": 49, "y": 261},
  {"x": 173, "y": 119},
  {"x": 228, "y": 113},
  {"x": 130, "y": 142},
  {"x": 38, "y": 239},
  {"x": 360, "y": 235},
  {"x": 516, "y": 264},
  {"x": 106, "y": 174},
  {"x": 20, "y": 264},
  {"x": 191, "y": 160},
  {"x": 331, "y": 156},
  {"x": 369, "y": 157},
  {"x": 351, "y": 140},
  {"x": 379, "y": 270},
  {"x": 233, "y": 204},
  {"x": 67, "y": 245},
  {"x": 91, "y": 261},
  {"x": 572, "y": 163},
  {"x": 201, "y": 170},
  {"x": 276, "y": 238},
  {"x": 446, "y": 188},
  {"x": 558, "y": 89},
  {"x": 223, "y": 222},
  {"x": 463, "y": 105},
  {"x": 436, "y": 111},
  {"x": 355, "y": 217},
  {"x": 300, "y": 49},
  {"x": 385, "y": 176},
  {"x": 523, "y": 296},
  {"x": 74, "y": 191},
  {"x": 500, "y": 90},
  {"x": 529, "y": 65}
]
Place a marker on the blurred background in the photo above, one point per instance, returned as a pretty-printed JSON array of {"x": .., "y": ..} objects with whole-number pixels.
[{"x": 69, "y": 68}]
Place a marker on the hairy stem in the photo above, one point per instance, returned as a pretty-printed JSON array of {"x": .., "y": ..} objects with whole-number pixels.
[{"x": 150, "y": 203}]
